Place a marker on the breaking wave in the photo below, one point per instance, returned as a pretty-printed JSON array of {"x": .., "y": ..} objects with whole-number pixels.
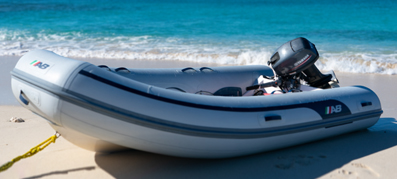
[{"x": 75, "y": 44}]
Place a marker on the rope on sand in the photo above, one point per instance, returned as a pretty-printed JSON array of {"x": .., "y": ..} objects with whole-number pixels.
[{"x": 31, "y": 152}]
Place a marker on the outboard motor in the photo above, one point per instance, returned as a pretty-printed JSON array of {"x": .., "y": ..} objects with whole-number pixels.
[{"x": 294, "y": 61}]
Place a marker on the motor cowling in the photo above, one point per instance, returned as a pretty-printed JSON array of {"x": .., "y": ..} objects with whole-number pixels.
[{"x": 297, "y": 58}]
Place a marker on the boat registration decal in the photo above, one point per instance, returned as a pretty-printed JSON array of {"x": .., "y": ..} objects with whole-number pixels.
[
  {"x": 39, "y": 64},
  {"x": 333, "y": 109}
]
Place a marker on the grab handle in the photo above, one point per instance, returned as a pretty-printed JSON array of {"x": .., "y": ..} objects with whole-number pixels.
[
  {"x": 188, "y": 68},
  {"x": 365, "y": 104},
  {"x": 23, "y": 98},
  {"x": 206, "y": 69},
  {"x": 272, "y": 118},
  {"x": 122, "y": 69},
  {"x": 104, "y": 66}
]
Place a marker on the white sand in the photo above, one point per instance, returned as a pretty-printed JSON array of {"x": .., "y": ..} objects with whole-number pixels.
[{"x": 370, "y": 153}]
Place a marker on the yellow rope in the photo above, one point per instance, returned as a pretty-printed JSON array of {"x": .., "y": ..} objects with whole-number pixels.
[{"x": 31, "y": 152}]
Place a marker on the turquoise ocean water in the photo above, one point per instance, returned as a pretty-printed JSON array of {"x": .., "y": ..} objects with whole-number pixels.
[{"x": 350, "y": 35}]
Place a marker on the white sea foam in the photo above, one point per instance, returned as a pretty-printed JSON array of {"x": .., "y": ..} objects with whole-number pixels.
[
  {"x": 359, "y": 62},
  {"x": 80, "y": 45}
]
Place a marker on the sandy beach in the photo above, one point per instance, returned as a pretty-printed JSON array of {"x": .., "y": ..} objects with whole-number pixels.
[{"x": 368, "y": 153}]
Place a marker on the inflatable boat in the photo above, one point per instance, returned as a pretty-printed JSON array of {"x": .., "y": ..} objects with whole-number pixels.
[{"x": 207, "y": 112}]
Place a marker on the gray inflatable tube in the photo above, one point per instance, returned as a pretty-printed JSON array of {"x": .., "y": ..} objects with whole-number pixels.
[{"x": 189, "y": 112}]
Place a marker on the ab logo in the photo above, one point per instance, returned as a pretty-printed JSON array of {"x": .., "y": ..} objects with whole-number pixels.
[
  {"x": 333, "y": 109},
  {"x": 39, "y": 64}
]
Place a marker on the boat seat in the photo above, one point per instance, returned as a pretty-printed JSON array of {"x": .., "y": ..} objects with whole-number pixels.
[
  {"x": 226, "y": 91},
  {"x": 229, "y": 91}
]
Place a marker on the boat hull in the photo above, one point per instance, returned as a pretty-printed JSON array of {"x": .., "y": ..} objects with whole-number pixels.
[{"x": 105, "y": 110}]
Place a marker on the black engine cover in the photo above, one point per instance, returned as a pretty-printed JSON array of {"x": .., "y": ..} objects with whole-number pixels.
[{"x": 294, "y": 57}]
